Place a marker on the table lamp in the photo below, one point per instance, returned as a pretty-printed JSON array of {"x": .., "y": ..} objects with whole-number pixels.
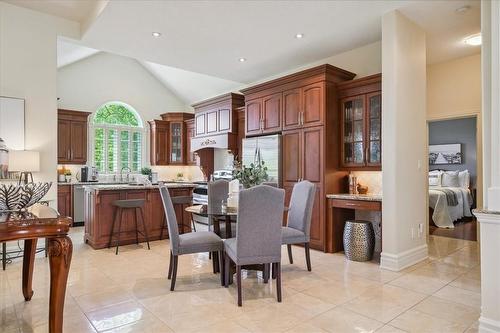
[{"x": 25, "y": 162}]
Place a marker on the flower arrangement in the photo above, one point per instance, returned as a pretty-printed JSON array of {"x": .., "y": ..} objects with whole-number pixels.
[{"x": 254, "y": 174}]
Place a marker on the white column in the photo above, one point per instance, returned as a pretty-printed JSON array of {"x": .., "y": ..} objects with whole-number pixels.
[
  {"x": 404, "y": 142},
  {"x": 489, "y": 217}
]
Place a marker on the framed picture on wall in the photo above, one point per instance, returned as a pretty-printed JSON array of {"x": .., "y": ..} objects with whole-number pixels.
[
  {"x": 445, "y": 154},
  {"x": 11, "y": 130}
]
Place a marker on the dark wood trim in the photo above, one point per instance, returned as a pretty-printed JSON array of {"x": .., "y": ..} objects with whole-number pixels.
[
  {"x": 73, "y": 115},
  {"x": 234, "y": 97},
  {"x": 365, "y": 85}
]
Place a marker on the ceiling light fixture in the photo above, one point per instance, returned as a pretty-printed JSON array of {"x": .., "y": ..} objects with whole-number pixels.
[
  {"x": 299, "y": 36},
  {"x": 474, "y": 40},
  {"x": 242, "y": 59},
  {"x": 156, "y": 34}
]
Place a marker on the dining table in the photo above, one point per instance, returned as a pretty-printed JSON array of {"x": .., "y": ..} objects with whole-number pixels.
[{"x": 39, "y": 221}]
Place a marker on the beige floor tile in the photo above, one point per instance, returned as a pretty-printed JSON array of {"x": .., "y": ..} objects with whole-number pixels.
[
  {"x": 466, "y": 283},
  {"x": 74, "y": 324},
  {"x": 384, "y": 303},
  {"x": 117, "y": 315},
  {"x": 427, "y": 279},
  {"x": 448, "y": 310},
  {"x": 304, "y": 306},
  {"x": 221, "y": 327},
  {"x": 268, "y": 319},
  {"x": 193, "y": 320},
  {"x": 389, "y": 329},
  {"x": 343, "y": 320},
  {"x": 474, "y": 328},
  {"x": 415, "y": 321},
  {"x": 89, "y": 302},
  {"x": 462, "y": 296},
  {"x": 306, "y": 327},
  {"x": 150, "y": 324},
  {"x": 338, "y": 292}
]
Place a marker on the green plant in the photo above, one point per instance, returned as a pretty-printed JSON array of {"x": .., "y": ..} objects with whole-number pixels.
[
  {"x": 251, "y": 175},
  {"x": 67, "y": 172},
  {"x": 180, "y": 175},
  {"x": 146, "y": 171}
]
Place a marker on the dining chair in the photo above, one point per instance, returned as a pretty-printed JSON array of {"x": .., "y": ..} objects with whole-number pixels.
[
  {"x": 217, "y": 192},
  {"x": 298, "y": 227},
  {"x": 258, "y": 236},
  {"x": 191, "y": 242}
]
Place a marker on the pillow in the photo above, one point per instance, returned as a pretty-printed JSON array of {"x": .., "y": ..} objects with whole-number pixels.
[
  {"x": 435, "y": 178},
  {"x": 450, "y": 179},
  {"x": 464, "y": 178}
]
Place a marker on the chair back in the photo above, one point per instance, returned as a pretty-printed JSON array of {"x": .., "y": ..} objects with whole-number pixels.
[
  {"x": 273, "y": 184},
  {"x": 217, "y": 191},
  {"x": 301, "y": 207},
  {"x": 173, "y": 229},
  {"x": 260, "y": 216}
]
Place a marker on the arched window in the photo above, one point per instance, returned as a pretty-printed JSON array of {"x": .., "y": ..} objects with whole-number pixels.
[{"x": 118, "y": 136}]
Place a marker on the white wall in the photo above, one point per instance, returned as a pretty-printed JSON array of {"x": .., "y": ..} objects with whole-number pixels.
[
  {"x": 404, "y": 142},
  {"x": 28, "y": 70}
]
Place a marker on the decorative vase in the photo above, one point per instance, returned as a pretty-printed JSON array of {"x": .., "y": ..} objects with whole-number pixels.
[{"x": 17, "y": 197}]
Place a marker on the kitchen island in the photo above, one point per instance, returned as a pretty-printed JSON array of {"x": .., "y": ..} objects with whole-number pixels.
[{"x": 99, "y": 212}]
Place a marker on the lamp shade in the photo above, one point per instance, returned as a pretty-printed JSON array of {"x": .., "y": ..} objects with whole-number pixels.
[{"x": 24, "y": 161}]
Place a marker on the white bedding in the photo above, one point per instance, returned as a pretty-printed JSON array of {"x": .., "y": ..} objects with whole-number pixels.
[{"x": 445, "y": 215}]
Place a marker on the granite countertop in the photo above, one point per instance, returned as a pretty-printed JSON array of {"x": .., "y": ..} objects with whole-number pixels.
[
  {"x": 363, "y": 197},
  {"x": 115, "y": 187}
]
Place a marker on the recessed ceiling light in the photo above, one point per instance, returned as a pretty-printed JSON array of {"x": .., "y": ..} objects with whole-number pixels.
[
  {"x": 299, "y": 36},
  {"x": 473, "y": 40},
  {"x": 242, "y": 59},
  {"x": 156, "y": 34},
  {"x": 461, "y": 10}
]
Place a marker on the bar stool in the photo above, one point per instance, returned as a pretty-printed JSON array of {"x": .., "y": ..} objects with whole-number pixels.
[
  {"x": 130, "y": 204},
  {"x": 184, "y": 201}
]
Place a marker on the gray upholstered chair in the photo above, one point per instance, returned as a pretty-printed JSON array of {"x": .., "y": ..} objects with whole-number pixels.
[
  {"x": 192, "y": 242},
  {"x": 273, "y": 184},
  {"x": 298, "y": 227},
  {"x": 258, "y": 236},
  {"x": 217, "y": 191}
]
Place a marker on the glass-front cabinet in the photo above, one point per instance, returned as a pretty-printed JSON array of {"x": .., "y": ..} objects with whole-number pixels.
[
  {"x": 176, "y": 143},
  {"x": 361, "y": 124}
]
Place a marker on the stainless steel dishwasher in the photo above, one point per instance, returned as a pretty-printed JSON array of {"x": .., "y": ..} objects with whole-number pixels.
[{"x": 78, "y": 203}]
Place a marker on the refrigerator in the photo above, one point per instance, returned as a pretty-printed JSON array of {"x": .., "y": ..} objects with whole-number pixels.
[{"x": 267, "y": 149}]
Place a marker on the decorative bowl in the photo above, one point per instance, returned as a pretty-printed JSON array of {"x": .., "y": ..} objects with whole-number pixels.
[{"x": 17, "y": 197}]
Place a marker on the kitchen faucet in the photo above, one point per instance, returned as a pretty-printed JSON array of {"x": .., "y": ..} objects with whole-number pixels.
[{"x": 128, "y": 173}]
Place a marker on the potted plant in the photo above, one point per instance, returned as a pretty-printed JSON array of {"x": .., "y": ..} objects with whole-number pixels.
[
  {"x": 146, "y": 171},
  {"x": 67, "y": 175},
  {"x": 180, "y": 176},
  {"x": 254, "y": 174}
]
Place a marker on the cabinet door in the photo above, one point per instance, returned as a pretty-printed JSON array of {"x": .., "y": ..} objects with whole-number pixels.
[
  {"x": 200, "y": 124},
  {"x": 271, "y": 113},
  {"x": 291, "y": 108},
  {"x": 176, "y": 154},
  {"x": 318, "y": 220},
  {"x": 64, "y": 200},
  {"x": 78, "y": 142},
  {"x": 224, "y": 120},
  {"x": 160, "y": 149},
  {"x": 353, "y": 131},
  {"x": 63, "y": 141},
  {"x": 313, "y": 102},
  {"x": 253, "y": 116},
  {"x": 312, "y": 154},
  {"x": 374, "y": 130},
  {"x": 191, "y": 159},
  {"x": 291, "y": 156},
  {"x": 212, "y": 121}
]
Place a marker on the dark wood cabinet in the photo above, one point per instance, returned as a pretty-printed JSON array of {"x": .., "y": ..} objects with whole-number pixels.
[
  {"x": 263, "y": 115},
  {"x": 292, "y": 101},
  {"x": 158, "y": 142},
  {"x": 190, "y": 133},
  {"x": 72, "y": 137},
  {"x": 241, "y": 131},
  {"x": 253, "y": 117},
  {"x": 217, "y": 115},
  {"x": 361, "y": 124},
  {"x": 313, "y": 103},
  {"x": 65, "y": 200}
]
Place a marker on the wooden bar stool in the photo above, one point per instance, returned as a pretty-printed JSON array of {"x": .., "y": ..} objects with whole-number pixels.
[{"x": 130, "y": 204}]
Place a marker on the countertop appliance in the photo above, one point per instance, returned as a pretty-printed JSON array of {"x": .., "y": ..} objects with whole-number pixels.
[
  {"x": 267, "y": 149},
  {"x": 89, "y": 174}
]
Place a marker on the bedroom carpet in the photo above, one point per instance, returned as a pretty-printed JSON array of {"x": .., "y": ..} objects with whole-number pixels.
[{"x": 130, "y": 293}]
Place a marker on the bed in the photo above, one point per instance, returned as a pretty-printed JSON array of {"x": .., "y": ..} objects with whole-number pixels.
[{"x": 450, "y": 199}]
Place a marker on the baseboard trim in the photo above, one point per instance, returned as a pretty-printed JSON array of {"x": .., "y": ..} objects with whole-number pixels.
[
  {"x": 488, "y": 325},
  {"x": 400, "y": 261}
]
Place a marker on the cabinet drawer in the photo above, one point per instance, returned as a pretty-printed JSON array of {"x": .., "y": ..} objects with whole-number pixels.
[{"x": 355, "y": 204}]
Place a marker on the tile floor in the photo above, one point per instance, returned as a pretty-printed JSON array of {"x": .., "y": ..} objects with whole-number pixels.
[{"x": 130, "y": 293}]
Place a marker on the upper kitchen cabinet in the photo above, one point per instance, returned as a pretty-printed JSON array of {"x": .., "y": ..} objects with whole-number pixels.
[
  {"x": 177, "y": 137},
  {"x": 263, "y": 115},
  {"x": 72, "y": 137},
  {"x": 361, "y": 123},
  {"x": 190, "y": 133},
  {"x": 159, "y": 142}
]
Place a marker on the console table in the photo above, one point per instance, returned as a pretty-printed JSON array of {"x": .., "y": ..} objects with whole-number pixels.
[{"x": 40, "y": 221}]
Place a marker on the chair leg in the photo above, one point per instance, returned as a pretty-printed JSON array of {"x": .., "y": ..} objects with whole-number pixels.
[
  {"x": 278, "y": 280},
  {"x": 308, "y": 256},
  {"x": 265, "y": 273},
  {"x": 112, "y": 227},
  {"x": 238, "y": 280},
  {"x": 170, "y": 266},
  {"x": 136, "y": 218},
  {"x": 120, "y": 212},
  {"x": 221, "y": 268},
  {"x": 215, "y": 261},
  {"x": 227, "y": 262},
  {"x": 174, "y": 274},
  {"x": 290, "y": 257},
  {"x": 4, "y": 255},
  {"x": 145, "y": 228},
  {"x": 194, "y": 224}
]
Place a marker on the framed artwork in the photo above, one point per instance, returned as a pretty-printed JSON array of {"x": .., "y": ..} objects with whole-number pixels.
[
  {"x": 11, "y": 130},
  {"x": 445, "y": 154}
]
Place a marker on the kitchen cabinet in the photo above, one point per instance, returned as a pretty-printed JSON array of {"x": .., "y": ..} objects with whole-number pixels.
[
  {"x": 159, "y": 142},
  {"x": 241, "y": 131},
  {"x": 72, "y": 137},
  {"x": 309, "y": 119},
  {"x": 65, "y": 200},
  {"x": 361, "y": 124},
  {"x": 190, "y": 133}
]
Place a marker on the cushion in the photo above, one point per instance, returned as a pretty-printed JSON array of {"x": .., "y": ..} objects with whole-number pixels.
[
  {"x": 464, "y": 179},
  {"x": 292, "y": 236},
  {"x": 200, "y": 241},
  {"x": 435, "y": 178},
  {"x": 450, "y": 179}
]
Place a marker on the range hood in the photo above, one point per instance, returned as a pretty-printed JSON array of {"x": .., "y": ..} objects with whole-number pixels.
[{"x": 221, "y": 141}]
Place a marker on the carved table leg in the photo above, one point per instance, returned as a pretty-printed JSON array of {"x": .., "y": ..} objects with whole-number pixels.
[
  {"x": 60, "y": 251},
  {"x": 28, "y": 263}
]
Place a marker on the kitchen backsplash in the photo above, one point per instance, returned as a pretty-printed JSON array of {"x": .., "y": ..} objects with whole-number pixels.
[{"x": 372, "y": 179}]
